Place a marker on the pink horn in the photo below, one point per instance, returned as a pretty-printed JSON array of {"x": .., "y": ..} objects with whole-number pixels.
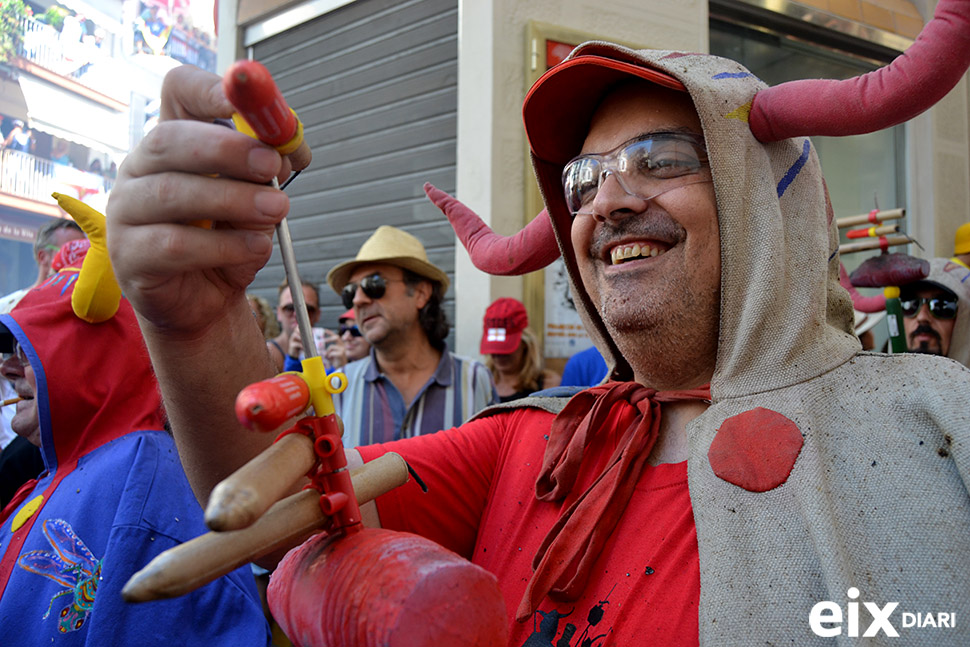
[
  {"x": 531, "y": 249},
  {"x": 912, "y": 83},
  {"x": 875, "y": 303}
]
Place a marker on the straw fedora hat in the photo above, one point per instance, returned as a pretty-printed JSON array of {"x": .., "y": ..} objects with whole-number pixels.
[{"x": 392, "y": 246}]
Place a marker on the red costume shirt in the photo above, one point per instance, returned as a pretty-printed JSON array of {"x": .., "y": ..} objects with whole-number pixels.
[{"x": 481, "y": 503}]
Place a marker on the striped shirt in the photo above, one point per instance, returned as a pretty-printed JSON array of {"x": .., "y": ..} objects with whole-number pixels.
[{"x": 373, "y": 410}]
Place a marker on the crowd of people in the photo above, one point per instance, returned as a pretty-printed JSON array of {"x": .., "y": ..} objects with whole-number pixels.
[{"x": 727, "y": 457}]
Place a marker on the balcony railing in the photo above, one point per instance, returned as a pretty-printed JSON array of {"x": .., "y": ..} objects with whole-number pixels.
[
  {"x": 29, "y": 176},
  {"x": 42, "y": 44}
]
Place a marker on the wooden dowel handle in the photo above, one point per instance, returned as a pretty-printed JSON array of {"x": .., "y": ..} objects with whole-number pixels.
[
  {"x": 247, "y": 493},
  {"x": 863, "y": 219},
  {"x": 873, "y": 243},
  {"x": 197, "y": 562}
]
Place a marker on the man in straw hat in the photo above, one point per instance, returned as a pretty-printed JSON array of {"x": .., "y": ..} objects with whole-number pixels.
[
  {"x": 747, "y": 476},
  {"x": 409, "y": 384}
]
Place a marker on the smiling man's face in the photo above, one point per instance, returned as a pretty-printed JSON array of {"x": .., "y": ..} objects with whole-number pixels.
[
  {"x": 652, "y": 267},
  {"x": 26, "y": 422}
]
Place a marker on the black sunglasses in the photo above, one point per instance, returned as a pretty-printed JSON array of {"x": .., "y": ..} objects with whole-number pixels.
[
  {"x": 374, "y": 286},
  {"x": 939, "y": 308},
  {"x": 353, "y": 330},
  {"x": 290, "y": 309}
]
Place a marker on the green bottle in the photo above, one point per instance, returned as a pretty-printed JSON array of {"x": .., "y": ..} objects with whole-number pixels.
[{"x": 894, "y": 319}]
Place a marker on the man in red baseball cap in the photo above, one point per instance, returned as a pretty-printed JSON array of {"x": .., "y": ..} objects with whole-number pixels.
[
  {"x": 746, "y": 471},
  {"x": 356, "y": 345}
]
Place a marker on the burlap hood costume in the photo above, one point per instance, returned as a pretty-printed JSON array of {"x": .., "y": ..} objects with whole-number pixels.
[
  {"x": 819, "y": 472},
  {"x": 876, "y": 498}
]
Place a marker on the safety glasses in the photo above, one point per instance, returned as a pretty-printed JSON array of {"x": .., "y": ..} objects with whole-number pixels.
[
  {"x": 353, "y": 330},
  {"x": 644, "y": 167},
  {"x": 374, "y": 286},
  {"x": 939, "y": 308}
]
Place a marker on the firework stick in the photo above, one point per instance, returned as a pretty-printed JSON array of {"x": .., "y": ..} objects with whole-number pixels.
[
  {"x": 240, "y": 499},
  {"x": 873, "y": 243},
  {"x": 195, "y": 563},
  {"x": 872, "y": 232},
  {"x": 871, "y": 218}
]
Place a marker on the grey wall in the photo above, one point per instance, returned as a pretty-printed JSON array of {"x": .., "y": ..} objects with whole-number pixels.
[{"x": 375, "y": 84}]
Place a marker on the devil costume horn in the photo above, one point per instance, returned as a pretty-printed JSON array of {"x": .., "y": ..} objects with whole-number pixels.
[
  {"x": 531, "y": 249},
  {"x": 912, "y": 83},
  {"x": 875, "y": 303}
]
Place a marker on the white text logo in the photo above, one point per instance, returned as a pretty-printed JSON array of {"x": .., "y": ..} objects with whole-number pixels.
[{"x": 827, "y": 619}]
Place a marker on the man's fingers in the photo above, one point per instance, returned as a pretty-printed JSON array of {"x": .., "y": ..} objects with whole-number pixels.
[
  {"x": 175, "y": 197},
  {"x": 178, "y": 249},
  {"x": 191, "y": 93},
  {"x": 209, "y": 149}
]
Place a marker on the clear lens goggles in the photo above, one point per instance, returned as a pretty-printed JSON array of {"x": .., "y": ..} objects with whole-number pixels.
[{"x": 644, "y": 167}]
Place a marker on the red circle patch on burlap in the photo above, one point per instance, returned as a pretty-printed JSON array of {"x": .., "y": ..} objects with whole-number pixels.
[{"x": 755, "y": 450}]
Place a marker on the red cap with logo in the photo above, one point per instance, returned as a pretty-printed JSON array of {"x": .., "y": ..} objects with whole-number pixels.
[{"x": 504, "y": 322}]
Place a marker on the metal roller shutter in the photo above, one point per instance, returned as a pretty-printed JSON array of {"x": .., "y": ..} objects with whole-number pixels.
[{"x": 375, "y": 83}]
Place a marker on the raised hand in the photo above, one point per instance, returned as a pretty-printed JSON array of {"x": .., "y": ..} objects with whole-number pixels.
[
  {"x": 177, "y": 276},
  {"x": 186, "y": 282}
]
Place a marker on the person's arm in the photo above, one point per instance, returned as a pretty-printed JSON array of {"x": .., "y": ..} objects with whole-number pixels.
[
  {"x": 188, "y": 283},
  {"x": 292, "y": 364}
]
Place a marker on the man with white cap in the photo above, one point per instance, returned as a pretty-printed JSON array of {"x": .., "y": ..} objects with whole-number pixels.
[
  {"x": 410, "y": 384},
  {"x": 936, "y": 311},
  {"x": 745, "y": 464}
]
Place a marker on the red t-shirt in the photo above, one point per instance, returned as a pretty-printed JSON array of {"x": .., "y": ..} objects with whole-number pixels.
[{"x": 643, "y": 589}]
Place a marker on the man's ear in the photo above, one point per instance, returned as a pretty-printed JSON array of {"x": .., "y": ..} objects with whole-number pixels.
[
  {"x": 45, "y": 256},
  {"x": 422, "y": 293}
]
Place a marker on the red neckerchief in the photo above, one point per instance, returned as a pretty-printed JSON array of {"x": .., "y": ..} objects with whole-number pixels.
[{"x": 563, "y": 562}]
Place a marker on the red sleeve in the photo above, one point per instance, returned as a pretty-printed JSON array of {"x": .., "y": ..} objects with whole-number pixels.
[{"x": 457, "y": 465}]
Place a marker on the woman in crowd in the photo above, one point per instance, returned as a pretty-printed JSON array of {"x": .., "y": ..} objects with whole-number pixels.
[{"x": 512, "y": 352}]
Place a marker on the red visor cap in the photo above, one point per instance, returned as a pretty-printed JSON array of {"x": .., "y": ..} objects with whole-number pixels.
[
  {"x": 502, "y": 329},
  {"x": 558, "y": 109}
]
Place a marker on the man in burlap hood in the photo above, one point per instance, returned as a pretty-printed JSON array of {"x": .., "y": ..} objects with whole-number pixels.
[
  {"x": 876, "y": 497},
  {"x": 816, "y": 473}
]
